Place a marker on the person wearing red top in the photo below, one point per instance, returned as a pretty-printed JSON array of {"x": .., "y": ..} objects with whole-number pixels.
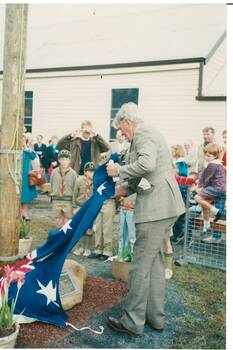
[{"x": 183, "y": 180}]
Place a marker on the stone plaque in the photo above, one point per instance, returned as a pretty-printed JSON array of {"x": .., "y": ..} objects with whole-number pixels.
[
  {"x": 67, "y": 284},
  {"x": 71, "y": 284}
]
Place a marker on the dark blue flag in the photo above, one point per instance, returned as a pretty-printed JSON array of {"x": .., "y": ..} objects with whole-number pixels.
[{"x": 39, "y": 296}]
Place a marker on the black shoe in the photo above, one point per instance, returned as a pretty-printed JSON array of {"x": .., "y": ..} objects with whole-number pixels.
[
  {"x": 159, "y": 330},
  {"x": 94, "y": 256},
  {"x": 103, "y": 257},
  {"x": 117, "y": 326},
  {"x": 218, "y": 216}
]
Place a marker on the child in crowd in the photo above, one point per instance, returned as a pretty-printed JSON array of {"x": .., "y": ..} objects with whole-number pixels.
[
  {"x": 63, "y": 182},
  {"x": 104, "y": 234},
  {"x": 180, "y": 169},
  {"x": 212, "y": 186},
  {"x": 82, "y": 192},
  {"x": 178, "y": 155},
  {"x": 127, "y": 235},
  {"x": 224, "y": 150}
]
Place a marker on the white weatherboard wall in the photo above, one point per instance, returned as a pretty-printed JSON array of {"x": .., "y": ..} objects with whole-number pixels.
[
  {"x": 166, "y": 99},
  {"x": 214, "y": 76}
]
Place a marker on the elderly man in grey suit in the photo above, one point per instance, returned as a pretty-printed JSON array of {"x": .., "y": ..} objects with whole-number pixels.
[{"x": 158, "y": 204}]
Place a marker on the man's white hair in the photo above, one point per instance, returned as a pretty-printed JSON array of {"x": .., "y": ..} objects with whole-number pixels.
[{"x": 128, "y": 110}]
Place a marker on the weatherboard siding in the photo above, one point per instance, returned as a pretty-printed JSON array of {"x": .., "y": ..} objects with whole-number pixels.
[
  {"x": 166, "y": 99},
  {"x": 214, "y": 75}
]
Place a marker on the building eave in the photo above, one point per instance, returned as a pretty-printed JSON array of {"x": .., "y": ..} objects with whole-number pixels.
[{"x": 117, "y": 65}]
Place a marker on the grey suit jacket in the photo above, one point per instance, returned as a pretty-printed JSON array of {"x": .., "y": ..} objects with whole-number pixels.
[{"x": 149, "y": 158}]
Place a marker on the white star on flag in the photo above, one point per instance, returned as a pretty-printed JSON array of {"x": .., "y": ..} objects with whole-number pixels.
[
  {"x": 49, "y": 292},
  {"x": 100, "y": 189},
  {"x": 66, "y": 226}
]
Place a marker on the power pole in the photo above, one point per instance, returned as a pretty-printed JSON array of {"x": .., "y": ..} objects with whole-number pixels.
[{"x": 12, "y": 128}]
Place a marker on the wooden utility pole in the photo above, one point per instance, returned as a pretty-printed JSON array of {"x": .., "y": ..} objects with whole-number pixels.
[{"x": 12, "y": 128}]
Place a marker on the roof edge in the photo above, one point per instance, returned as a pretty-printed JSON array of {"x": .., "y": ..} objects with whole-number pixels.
[
  {"x": 116, "y": 65},
  {"x": 216, "y": 46}
]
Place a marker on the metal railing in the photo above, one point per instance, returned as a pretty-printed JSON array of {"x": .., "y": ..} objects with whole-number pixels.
[{"x": 201, "y": 249}]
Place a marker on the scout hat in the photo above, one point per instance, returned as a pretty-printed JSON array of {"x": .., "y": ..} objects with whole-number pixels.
[
  {"x": 64, "y": 153},
  {"x": 89, "y": 166}
]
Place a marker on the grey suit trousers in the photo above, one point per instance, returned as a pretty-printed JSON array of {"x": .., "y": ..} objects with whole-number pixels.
[{"x": 145, "y": 299}]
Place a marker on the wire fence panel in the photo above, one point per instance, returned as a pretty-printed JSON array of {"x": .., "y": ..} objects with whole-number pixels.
[{"x": 199, "y": 248}]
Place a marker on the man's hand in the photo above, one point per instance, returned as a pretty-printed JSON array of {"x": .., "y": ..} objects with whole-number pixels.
[
  {"x": 92, "y": 133},
  {"x": 89, "y": 232},
  {"x": 75, "y": 133},
  {"x": 128, "y": 205},
  {"x": 113, "y": 169}
]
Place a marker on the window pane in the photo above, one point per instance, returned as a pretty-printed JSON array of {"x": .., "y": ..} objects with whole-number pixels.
[
  {"x": 112, "y": 133},
  {"x": 121, "y": 96},
  {"x": 113, "y": 113},
  {"x": 28, "y": 121},
  {"x": 28, "y": 94},
  {"x": 28, "y": 110},
  {"x": 28, "y": 107},
  {"x": 28, "y": 127}
]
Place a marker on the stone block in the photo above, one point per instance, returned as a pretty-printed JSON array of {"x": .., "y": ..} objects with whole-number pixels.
[{"x": 71, "y": 285}]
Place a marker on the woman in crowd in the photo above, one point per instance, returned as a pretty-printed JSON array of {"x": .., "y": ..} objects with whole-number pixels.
[{"x": 28, "y": 193}]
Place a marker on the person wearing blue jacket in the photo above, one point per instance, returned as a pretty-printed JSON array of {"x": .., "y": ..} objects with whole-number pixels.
[{"x": 28, "y": 193}]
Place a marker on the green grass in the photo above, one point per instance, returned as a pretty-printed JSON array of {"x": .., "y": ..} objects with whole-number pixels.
[{"x": 202, "y": 290}]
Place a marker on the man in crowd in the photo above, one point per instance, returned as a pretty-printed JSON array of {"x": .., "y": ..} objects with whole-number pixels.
[
  {"x": 40, "y": 147},
  {"x": 119, "y": 146},
  {"x": 85, "y": 146},
  {"x": 208, "y": 137},
  {"x": 158, "y": 204}
]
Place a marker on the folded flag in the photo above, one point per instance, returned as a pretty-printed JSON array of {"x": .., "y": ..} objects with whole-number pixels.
[{"x": 39, "y": 296}]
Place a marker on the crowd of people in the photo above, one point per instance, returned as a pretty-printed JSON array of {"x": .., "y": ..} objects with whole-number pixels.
[
  {"x": 69, "y": 164},
  {"x": 145, "y": 217}
]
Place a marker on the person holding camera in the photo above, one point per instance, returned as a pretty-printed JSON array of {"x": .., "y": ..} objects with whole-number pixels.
[{"x": 85, "y": 146}]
